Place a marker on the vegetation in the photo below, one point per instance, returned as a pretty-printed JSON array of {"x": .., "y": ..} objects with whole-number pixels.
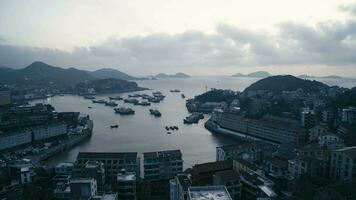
[
  {"x": 217, "y": 95},
  {"x": 277, "y": 84}
]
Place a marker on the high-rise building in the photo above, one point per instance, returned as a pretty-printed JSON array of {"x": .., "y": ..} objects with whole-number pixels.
[
  {"x": 83, "y": 188},
  {"x": 179, "y": 187},
  {"x": 162, "y": 164},
  {"x": 126, "y": 185},
  {"x": 113, "y": 162}
]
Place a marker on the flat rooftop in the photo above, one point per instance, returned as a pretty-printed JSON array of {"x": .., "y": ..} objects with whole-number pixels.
[
  {"x": 162, "y": 154},
  {"x": 126, "y": 176},
  {"x": 209, "y": 193},
  {"x": 107, "y": 155}
]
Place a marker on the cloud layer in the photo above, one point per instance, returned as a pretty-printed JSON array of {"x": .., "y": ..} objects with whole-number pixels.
[{"x": 328, "y": 43}]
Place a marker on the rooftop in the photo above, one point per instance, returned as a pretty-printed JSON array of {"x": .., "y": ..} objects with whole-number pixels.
[
  {"x": 126, "y": 176},
  {"x": 228, "y": 175},
  {"x": 213, "y": 166},
  {"x": 279, "y": 123},
  {"x": 65, "y": 164},
  {"x": 208, "y": 193},
  {"x": 161, "y": 154},
  {"x": 82, "y": 180},
  {"x": 350, "y": 151},
  {"x": 108, "y": 155}
]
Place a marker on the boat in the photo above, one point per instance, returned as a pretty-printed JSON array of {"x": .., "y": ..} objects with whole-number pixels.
[
  {"x": 193, "y": 118},
  {"x": 143, "y": 103},
  {"x": 114, "y": 126},
  {"x": 90, "y": 107},
  {"x": 100, "y": 101},
  {"x": 134, "y": 95},
  {"x": 183, "y": 96},
  {"x": 124, "y": 111},
  {"x": 167, "y": 128},
  {"x": 172, "y": 128},
  {"x": 175, "y": 90},
  {"x": 133, "y": 101},
  {"x": 111, "y": 103},
  {"x": 155, "y": 112},
  {"x": 154, "y": 100},
  {"x": 175, "y": 127},
  {"x": 89, "y": 97},
  {"x": 118, "y": 98},
  {"x": 169, "y": 132}
]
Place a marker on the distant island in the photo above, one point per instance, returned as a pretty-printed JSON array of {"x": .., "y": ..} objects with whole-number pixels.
[
  {"x": 177, "y": 75},
  {"x": 112, "y": 73},
  {"x": 258, "y": 74},
  {"x": 304, "y": 76}
]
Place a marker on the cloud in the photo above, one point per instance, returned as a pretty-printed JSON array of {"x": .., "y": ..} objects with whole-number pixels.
[
  {"x": 350, "y": 8},
  {"x": 327, "y": 43}
]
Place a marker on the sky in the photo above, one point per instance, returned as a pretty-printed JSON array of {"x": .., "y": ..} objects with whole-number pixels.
[{"x": 198, "y": 37}]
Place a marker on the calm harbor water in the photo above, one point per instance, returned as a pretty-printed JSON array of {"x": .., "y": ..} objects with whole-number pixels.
[{"x": 143, "y": 132}]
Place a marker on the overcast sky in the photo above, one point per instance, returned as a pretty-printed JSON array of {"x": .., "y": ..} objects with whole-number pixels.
[{"x": 199, "y": 37}]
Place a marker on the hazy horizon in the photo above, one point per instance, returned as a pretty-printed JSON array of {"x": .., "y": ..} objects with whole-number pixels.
[{"x": 200, "y": 38}]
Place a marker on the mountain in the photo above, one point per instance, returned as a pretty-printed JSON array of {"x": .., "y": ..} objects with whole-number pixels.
[
  {"x": 177, "y": 75},
  {"x": 39, "y": 73},
  {"x": 106, "y": 73},
  {"x": 258, "y": 74},
  {"x": 280, "y": 83}
]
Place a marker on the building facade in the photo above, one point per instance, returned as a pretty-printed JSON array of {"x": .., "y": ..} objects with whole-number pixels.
[{"x": 162, "y": 164}]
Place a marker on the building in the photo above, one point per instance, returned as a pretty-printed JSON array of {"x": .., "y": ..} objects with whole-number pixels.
[
  {"x": 5, "y": 97},
  {"x": 202, "y": 174},
  {"x": 64, "y": 168},
  {"x": 308, "y": 119},
  {"x": 255, "y": 187},
  {"x": 113, "y": 162},
  {"x": 83, "y": 188},
  {"x": 126, "y": 185},
  {"x": 231, "y": 180},
  {"x": 302, "y": 165},
  {"x": 22, "y": 171},
  {"x": 327, "y": 116},
  {"x": 343, "y": 164},
  {"x": 244, "y": 149},
  {"x": 14, "y": 139},
  {"x": 162, "y": 164},
  {"x": 348, "y": 115},
  {"x": 45, "y": 132},
  {"x": 331, "y": 141},
  {"x": 218, "y": 192},
  {"x": 108, "y": 196},
  {"x": 272, "y": 129},
  {"x": 178, "y": 187},
  {"x": 317, "y": 131},
  {"x": 95, "y": 169}
]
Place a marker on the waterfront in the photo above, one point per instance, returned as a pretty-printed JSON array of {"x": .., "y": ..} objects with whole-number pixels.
[{"x": 143, "y": 132}]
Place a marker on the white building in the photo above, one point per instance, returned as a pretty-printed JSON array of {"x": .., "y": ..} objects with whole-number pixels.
[{"x": 317, "y": 131}]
